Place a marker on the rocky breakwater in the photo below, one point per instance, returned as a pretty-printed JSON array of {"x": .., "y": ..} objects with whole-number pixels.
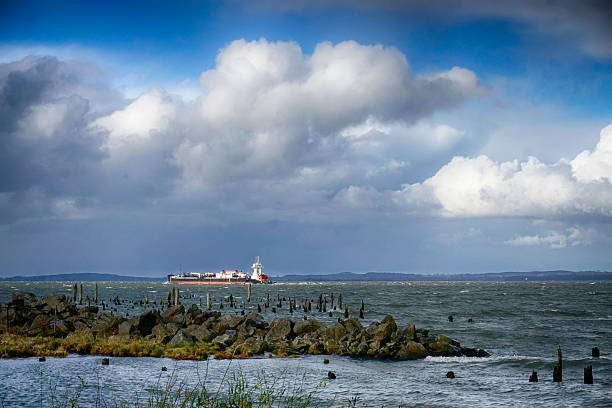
[{"x": 55, "y": 326}]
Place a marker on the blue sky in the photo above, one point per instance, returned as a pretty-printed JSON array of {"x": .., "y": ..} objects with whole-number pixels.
[{"x": 427, "y": 137}]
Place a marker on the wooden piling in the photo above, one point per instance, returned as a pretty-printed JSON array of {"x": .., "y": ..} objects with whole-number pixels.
[
  {"x": 74, "y": 293},
  {"x": 533, "y": 377},
  {"x": 588, "y": 374},
  {"x": 558, "y": 369},
  {"x": 207, "y": 301},
  {"x": 249, "y": 293},
  {"x": 346, "y": 312},
  {"x": 340, "y": 300},
  {"x": 88, "y": 303},
  {"x": 595, "y": 352},
  {"x": 96, "y": 294},
  {"x": 81, "y": 295}
]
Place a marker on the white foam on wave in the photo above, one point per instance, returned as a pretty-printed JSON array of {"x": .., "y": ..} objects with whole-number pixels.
[{"x": 468, "y": 360}]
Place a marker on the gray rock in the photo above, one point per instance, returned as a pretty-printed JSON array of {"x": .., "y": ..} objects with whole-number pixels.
[
  {"x": 105, "y": 325},
  {"x": 411, "y": 350},
  {"x": 28, "y": 299},
  {"x": 280, "y": 329},
  {"x": 53, "y": 301},
  {"x": 181, "y": 337},
  {"x": 226, "y": 338},
  {"x": 128, "y": 327},
  {"x": 173, "y": 312},
  {"x": 41, "y": 325},
  {"x": 201, "y": 333},
  {"x": 146, "y": 321},
  {"x": 305, "y": 327},
  {"x": 231, "y": 321},
  {"x": 385, "y": 330}
]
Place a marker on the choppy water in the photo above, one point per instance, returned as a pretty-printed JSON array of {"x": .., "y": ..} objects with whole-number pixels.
[{"x": 520, "y": 324}]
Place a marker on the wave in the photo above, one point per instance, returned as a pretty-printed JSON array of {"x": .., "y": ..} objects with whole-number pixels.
[{"x": 468, "y": 360}]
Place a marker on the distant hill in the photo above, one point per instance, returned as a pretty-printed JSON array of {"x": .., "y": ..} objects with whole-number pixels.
[
  {"x": 477, "y": 277},
  {"x": 348, "y": 277},
  {"x": 82, "y": 277}
]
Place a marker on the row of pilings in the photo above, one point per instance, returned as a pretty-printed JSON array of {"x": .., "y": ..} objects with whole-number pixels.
[{"x": 558, "y": 368}]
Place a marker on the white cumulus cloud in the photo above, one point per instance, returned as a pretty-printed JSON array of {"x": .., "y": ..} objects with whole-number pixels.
[
  {"x": 479, "y": 186},
  {"x": 573, "y": 236}
]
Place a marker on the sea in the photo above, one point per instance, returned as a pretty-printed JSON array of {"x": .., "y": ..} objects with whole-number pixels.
[{"x": 521, "y": 325}]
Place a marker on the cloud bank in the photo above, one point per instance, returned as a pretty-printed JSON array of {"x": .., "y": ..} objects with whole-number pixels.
[{"x": 275, "y": 135}]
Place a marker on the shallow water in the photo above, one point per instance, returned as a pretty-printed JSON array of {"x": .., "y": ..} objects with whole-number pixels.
[{"x": 519, "y": 323}]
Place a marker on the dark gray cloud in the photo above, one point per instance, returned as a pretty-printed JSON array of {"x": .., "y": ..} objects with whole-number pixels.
[{"x": 585, "y": 25}]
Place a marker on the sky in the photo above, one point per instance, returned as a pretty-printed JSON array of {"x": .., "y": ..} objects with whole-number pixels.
[{"x": 430, "y": 137}]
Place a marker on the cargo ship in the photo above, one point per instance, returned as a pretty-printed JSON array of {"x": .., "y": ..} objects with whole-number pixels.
[{"x": 225, "y": 277}]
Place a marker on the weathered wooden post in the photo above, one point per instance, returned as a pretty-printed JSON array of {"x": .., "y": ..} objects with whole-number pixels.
[
  {"x": 207, "y": 301},
  {"x": 340, "y": 300},
  {"x": 178, "y": 295},
  {"x": 96, "y": 294},
  {"x": 74, "y": 293},
  {"x": 346, "y": 312},
  {"x": 558, "y": 369},
  {"x": 533, "y": 377},
  {"x": 249, "y": 293},
  {"x": 146, "y": 299},
  {"x": 588, "y": 374},
  {"x": 81, "y": 295},
  {"x": 595, "y": 352},
  {"x": 268, "y": 300}
]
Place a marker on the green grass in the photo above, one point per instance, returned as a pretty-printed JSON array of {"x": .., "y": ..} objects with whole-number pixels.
[{"x": 234, "y": 391}]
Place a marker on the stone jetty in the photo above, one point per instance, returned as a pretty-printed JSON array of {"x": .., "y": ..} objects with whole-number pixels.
[{"x": 55, "y": 326}]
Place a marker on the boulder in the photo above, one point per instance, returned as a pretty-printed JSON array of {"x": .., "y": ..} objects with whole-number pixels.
[
  {"x": 336, "y": 332},
  {"x": 218, "y": 328},
  {"x": 255, "y": 320},
  {"x": 353, "y": 326},
  {"x": 128, "y": 327},
  {"x": 245, "y": 331},
  {"x": 146, "y": 321},
  {"x": 41, "y": 325},
  {"x": 105, "y": 325},
  {"x": 200, "y": 332},
  {"x": 411, "y": 350},
  {"x": 231, "y": 321},
  {"x": 385, "y": 330},
  {"x": 280, "y": 329},
  {"x": 164, "y": 332},
  {"x": 439, "y": 348},
  {"x": 58, "y": 302},
  {"x": 254, "y": 345},
  {"x": 181, "y": 337},
  {"x": 174, "y": 313},
  {"x": 28, "y": 299},
  {"x": 305, "y": 327},
  {"x": 226, "y": 338},
  {"x": 444, "y": 339},
  {"x": 410, "y": 332}
]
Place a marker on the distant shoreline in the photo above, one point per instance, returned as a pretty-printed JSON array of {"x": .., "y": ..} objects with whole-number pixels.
[{"x": 538, "y": 276}]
